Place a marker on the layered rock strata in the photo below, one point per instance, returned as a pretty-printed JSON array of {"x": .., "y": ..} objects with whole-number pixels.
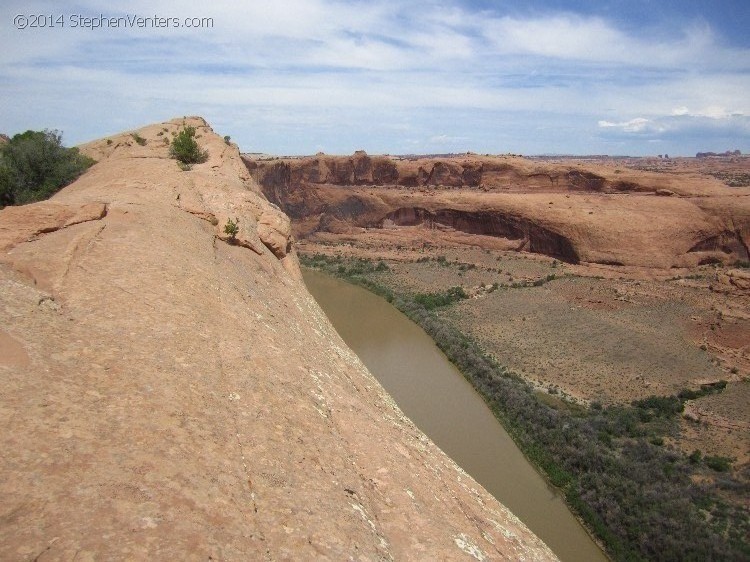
[{"x": 573, "y": 212}]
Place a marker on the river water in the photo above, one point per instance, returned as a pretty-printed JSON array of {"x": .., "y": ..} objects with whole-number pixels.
[{"x": 437, "y": 398}]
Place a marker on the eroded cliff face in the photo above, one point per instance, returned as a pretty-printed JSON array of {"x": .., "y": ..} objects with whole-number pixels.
[
  {"x": 168, "y": 393},
  {"x": 600, "y": 215}
]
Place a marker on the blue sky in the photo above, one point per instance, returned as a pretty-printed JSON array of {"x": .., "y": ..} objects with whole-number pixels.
[{"x": 301, "y": 76}]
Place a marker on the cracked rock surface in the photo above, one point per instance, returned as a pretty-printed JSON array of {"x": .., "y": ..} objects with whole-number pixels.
[{"x": 168, "y": 393}]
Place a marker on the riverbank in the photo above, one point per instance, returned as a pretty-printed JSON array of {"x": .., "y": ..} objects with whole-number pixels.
[
  {"x": 640, "y": 497},
  {"x": 406, "y": 361}
]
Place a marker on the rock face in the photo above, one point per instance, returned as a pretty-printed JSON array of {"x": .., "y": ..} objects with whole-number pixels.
[
  {"x": 170, "y": 392},
  {"x": 598, "y": 215},
  {"x": 735, "y": 281}
]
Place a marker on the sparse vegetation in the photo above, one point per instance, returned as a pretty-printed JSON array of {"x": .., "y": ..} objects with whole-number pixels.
[
  {"x": 733, "y": 179},
  {"x": 232, "y": 229},
  {"x": 139, "y": 139},
  {"x": 718, "y": 463},
  {"x": 35, "y": 165},
  {"x": 185, "y": 149},
  {"x": 431, "y": 301}
]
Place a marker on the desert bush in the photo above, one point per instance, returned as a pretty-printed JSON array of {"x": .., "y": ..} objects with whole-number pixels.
[
  {"x": 658, "y": 406},
  {"x": 232, "y": 229},
  {"x": 435, "y": 300},
  {"x": 185, "y": 149},
  {"x": 382, "y": 266},
  {"x": 139, "y": 139},
  {"x": 719, "y": 464},
  {"x": 35, "y": 165}
]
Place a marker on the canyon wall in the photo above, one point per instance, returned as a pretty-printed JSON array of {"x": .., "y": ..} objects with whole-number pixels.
[{"x": 577, "y": 213}]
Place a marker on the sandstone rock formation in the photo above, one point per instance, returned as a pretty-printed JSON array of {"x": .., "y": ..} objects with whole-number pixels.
[
  {"x": 171, "y": 393},
  {"x": 736, "y": 281},
  {"x": 592, "y": 213}
]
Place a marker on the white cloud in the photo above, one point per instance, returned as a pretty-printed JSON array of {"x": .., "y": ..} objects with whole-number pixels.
[
  {"x": 446, "y": 139},
  {"x": 712, "y": 112},
  {"x": 700, "y": 128},
  {"x": 568, "y": 37},
  {"x": 636, "y": 125}
]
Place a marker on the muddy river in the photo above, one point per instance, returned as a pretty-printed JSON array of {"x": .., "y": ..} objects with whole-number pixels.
[{"x": 434, "y": 394}]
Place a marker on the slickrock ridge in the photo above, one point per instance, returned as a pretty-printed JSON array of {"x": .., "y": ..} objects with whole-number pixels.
[
  {"x": 592, "y": 213},
  {"x": 171, "y": 394}
]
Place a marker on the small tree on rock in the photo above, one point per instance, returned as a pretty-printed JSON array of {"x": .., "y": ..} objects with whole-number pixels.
[
  {"x": 185, "y": 149},
  {"x": 35, "y": 165}
]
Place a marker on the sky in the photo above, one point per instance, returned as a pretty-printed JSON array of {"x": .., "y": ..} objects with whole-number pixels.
[{"x": 618, "y": 77}]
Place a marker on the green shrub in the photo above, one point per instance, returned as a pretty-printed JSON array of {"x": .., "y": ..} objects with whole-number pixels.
[
  {"x": 227, "y": 139},
  {"x": 658, "y": 406},
  {"x": 35, "y": 165},
  {"x": 435, "y": 300},
  {"x": 185, "y": 149},
  {"x": 139, "y": 139},
  {"x": 232, "y": 228},
  {"x": 719, "y": 464}
]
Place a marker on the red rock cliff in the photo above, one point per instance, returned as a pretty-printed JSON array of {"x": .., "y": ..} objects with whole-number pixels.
[
  {"x": 169, "y": 395},
  {"x": 599, "y": 215}
]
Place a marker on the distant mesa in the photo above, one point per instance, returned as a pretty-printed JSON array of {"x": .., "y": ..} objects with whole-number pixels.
[{"x": 719, "y": 154}]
